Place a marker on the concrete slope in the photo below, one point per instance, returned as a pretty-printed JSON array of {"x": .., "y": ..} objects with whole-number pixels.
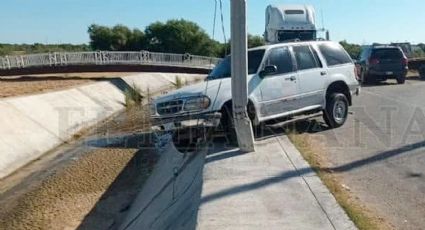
[
  {"x": 32, "y": 125},
  {"x": 170, "y": 198}
]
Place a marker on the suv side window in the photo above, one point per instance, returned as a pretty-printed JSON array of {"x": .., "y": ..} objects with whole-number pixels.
[
  {"x": 305, "y": 58},
  {"x": 334, "y": 54},
  {"x": 281, "y": 58}
]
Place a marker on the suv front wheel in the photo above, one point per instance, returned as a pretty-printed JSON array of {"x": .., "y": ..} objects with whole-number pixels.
[{"x": 336, "y": 111}]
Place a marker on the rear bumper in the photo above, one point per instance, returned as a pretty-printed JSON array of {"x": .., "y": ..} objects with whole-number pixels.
[
  {"x": 187, "y": 121},
  {"x": 387, "y": 74}
]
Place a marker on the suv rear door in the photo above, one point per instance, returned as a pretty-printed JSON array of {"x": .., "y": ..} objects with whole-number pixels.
[{"x": 311, "y": 76}]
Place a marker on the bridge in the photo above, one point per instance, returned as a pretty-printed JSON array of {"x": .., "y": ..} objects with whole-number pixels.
[{"x": 105, "y": 61}]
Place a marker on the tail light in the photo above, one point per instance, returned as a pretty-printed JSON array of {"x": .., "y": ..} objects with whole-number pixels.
[
  {"x": 404, "y": 61},
  {"x": 374, "y": 61},
  {"x": 357, "y": 72}
]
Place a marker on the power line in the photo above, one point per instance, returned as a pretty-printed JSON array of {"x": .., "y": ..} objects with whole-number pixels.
[
  {"x": 222, "y": 26},
  {"x": 215, "y": 18}
]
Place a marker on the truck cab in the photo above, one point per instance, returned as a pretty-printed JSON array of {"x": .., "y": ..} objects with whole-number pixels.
[{"x": 290, "y": 22}]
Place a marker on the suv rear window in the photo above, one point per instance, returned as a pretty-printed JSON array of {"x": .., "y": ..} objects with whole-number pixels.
[
  {"x": 387, "y": 53},
  {"x": 334, "y": 54}
]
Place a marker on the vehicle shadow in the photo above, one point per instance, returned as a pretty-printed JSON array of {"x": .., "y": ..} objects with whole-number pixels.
[
  {"x": 310, "y": 126},
  {"x": 379, "y": 83}
]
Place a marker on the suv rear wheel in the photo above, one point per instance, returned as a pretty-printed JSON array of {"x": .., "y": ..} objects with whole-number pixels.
[
  {"x": 336, "y": 111},
  {"x": 422, "y": 72}
]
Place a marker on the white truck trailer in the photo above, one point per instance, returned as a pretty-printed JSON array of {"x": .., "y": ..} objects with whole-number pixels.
[{"x": 290, "y": 22}]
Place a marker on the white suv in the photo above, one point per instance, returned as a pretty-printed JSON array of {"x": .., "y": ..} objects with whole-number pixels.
[{"x": 285, "y": 81}]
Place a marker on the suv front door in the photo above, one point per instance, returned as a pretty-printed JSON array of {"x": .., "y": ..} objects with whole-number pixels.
[{"x": 279, "y": 90}]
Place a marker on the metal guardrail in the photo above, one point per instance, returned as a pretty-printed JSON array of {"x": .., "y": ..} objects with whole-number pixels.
[{"x": 106, "y": 58}]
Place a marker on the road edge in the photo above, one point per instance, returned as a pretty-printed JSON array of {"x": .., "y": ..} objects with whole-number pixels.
[{"x": 335, "y": 213}]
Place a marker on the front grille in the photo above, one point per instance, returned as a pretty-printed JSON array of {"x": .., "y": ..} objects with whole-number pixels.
[{"x": 170, "y": 107}]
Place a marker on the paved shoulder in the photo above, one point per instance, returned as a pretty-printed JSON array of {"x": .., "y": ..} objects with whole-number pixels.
[{"x": 271, "y": 188}]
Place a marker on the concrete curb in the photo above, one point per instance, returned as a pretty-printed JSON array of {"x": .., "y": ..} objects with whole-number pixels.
[{"x": 326, "y": 200}]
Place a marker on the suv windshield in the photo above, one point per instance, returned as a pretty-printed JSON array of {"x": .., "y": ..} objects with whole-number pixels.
[{"x": 222, "y": 70}]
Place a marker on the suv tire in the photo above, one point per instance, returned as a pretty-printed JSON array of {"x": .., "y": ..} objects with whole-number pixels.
[
  {"x": 336, "y": 111},
  {"x": 364, "y": 77},
  {"x": 422, "y": 72},
  {"x": 401, "y": 79}
]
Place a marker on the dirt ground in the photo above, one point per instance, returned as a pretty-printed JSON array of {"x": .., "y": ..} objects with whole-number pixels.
[
  {"x": 32, "y": 84},
  {"x": 90, "y": 187}
]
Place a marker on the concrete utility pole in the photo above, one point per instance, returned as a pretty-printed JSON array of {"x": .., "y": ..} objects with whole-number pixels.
[{"x": 239, "y": 76}]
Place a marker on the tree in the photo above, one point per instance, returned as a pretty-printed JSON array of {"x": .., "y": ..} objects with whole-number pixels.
[
  {"x": 179, "y": 36},
  {"x": 137, "y": 40},
  {"x": 353, "y": 50},
  {"x": 223, "y": 49},
  {"x": 117, "y": 38},
  {"x": 121, "y": 36},
  {"x": 422, "y": 45},
  {"x": 173, "y": 36},
  {"x": 100, "y": 37},
  {"x": 255, "y": 41}
]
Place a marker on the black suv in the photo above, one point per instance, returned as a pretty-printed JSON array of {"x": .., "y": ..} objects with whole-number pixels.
[{"x": 379, "y": 63}]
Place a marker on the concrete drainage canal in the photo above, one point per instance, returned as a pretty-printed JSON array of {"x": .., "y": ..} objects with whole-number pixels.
[{"x": 116, "y": 176}]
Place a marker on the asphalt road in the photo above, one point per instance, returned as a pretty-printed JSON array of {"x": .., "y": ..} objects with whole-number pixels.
[{"x": 380, "y": 152}]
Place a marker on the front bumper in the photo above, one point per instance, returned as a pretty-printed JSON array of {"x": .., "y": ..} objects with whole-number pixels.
[
  {"x": 355, "y": 89},
  {"x": 187, "y": 121}
]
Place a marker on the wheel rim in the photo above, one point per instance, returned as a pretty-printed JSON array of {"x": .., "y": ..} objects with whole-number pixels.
[{"x": 339, "y": 111}]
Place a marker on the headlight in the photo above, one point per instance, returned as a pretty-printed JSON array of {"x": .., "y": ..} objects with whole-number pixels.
[{"x": 197, "y": 104}]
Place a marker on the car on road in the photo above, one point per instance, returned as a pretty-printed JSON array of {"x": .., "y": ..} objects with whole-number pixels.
[
  {"x": 285, "y": 80},
  {"x": 379, "y": 63}
]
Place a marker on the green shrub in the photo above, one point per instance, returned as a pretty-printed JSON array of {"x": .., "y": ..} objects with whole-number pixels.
[
  {"x": 133, "y": 96},
  {"x": 179, "y": 82}
]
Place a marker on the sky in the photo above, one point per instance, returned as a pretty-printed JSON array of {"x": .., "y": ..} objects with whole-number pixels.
[{"x": 66, "y": 21}]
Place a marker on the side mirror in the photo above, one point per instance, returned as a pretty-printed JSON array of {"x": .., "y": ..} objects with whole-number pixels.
[{"x": 268, "y": 70}]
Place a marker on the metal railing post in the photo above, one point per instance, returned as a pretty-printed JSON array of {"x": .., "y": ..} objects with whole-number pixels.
[{"x": 8, "y": 62}]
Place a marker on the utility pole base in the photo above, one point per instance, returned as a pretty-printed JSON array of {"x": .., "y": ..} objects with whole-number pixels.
[{"x": 245, "y": 135}]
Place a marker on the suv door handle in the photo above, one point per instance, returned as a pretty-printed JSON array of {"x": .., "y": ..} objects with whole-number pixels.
[
  {"x": 323, "y": 73},
  {"x": 291, "y": 78}
]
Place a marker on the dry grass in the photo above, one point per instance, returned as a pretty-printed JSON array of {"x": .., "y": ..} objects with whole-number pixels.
[
  {"x": 33, "y": 84},
  {"x": 63, "y": 200},
  {"x": 362, "y": 217}
]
